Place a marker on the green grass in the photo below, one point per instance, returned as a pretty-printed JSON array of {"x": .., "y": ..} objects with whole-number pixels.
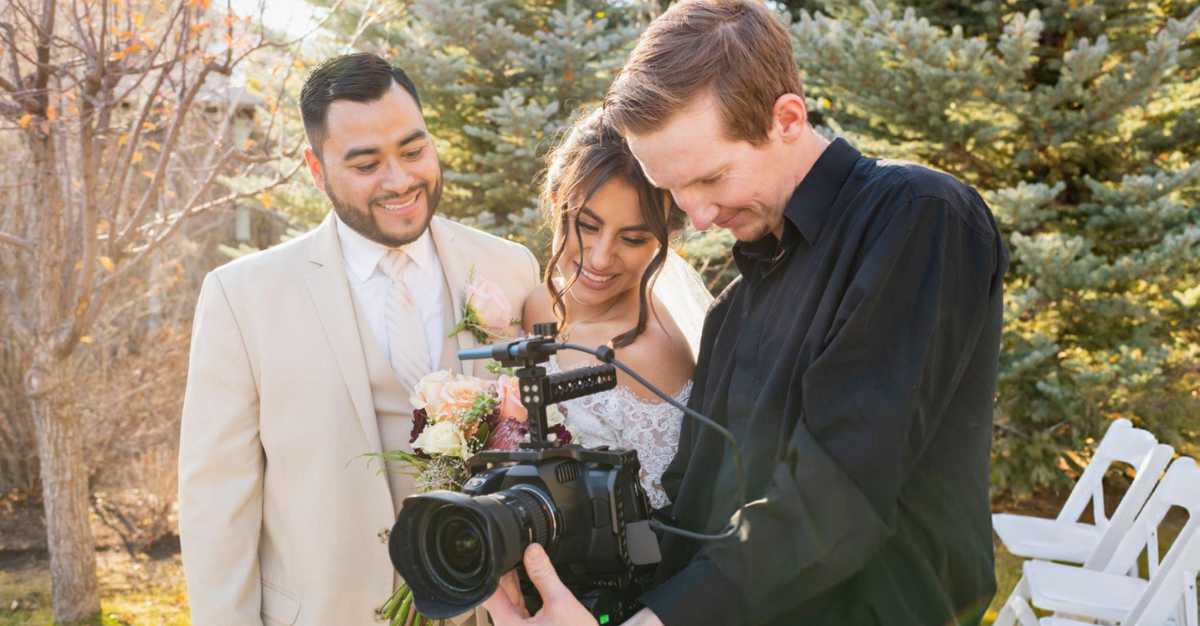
[
  {"x": 1008, "y": 572},
  {"x": 132, "y": 592}
]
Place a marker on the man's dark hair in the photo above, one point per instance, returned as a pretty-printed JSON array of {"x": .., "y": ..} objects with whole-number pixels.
[{"x": 359, "y": 77}]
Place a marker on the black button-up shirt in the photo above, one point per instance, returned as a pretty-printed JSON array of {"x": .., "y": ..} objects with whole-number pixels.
[{"x": 855, "y": 361}]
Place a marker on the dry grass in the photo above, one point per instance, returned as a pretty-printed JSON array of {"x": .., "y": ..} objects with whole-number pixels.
[{"x": 146, "y": 591}]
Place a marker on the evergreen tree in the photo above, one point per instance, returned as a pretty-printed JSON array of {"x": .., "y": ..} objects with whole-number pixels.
[
  {"x": 1079, "y": 123},
  {"x": 499, "y": 81}
]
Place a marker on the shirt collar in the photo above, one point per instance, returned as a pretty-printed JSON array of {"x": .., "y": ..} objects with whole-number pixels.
[
  {"x": 362, "y": 255},
  {"x": 807, "y": 209},
  {"x": 815, "y": 196}
]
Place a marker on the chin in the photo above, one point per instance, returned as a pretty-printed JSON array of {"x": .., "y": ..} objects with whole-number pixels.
[{"x": 591, "y": 297}]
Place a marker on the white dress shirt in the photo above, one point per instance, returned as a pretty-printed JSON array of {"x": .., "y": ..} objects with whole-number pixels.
[{"x": 369, "y": 285}]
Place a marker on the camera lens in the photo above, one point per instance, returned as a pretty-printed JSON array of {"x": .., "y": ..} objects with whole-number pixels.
[
  {"x": 458, "y": 556},
  {"x": 452, "y": 548}
]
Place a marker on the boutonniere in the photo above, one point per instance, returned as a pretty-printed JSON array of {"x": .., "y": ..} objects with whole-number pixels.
[{"x": 487, "y": 312}]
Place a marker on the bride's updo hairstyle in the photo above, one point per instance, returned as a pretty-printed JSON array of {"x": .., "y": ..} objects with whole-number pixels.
[{"x": 590, "y": 154}]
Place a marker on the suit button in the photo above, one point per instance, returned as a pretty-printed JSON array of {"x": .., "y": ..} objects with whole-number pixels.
[{"x": 384, "y": 534}]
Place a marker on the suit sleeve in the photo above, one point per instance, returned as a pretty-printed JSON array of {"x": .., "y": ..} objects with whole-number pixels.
[
  {"x": 220, "y": 469},
  {"x": 872, "y": 401}
]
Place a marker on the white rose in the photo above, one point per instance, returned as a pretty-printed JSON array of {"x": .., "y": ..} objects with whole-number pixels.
[
  {"x": 442, "y": 438},
  {"x": 492, "y": 307}
]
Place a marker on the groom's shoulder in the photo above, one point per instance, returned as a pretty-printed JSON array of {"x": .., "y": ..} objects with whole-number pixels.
[
  {"x": 264, "y": 264},
  {"x": 487, "y": 242}
]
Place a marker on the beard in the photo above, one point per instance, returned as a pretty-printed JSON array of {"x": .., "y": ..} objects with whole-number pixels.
[{"x": 363, "y": 221}]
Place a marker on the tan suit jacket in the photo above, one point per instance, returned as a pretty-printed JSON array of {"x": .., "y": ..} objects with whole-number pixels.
[{"x": 282, "y": 520}]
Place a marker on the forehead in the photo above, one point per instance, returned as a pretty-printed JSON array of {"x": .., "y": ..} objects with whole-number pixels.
[
  {"x": 690, "y": 145},
  {"x": 379, "y": 123},
  {"x": 617, "y": 203}
]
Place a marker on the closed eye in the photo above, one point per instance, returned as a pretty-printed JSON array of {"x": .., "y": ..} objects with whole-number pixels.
[{"x": 366, "y": 168}]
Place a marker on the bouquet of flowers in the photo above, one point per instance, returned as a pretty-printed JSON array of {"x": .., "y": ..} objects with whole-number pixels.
[{"x": 455, "y": 416}]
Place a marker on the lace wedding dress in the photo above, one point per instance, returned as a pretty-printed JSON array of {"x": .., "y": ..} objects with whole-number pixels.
[{"x": 619, "y": 418}]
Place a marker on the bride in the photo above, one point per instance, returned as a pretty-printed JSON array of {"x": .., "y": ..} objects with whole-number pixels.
[{"x": 612, "y": 279}]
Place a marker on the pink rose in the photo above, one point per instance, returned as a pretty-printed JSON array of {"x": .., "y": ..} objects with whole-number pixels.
[
  {"x": 427, "y": 394},
  {"x": 456, "y": 396},
  {"x": 492, "y": 308},
  {"x": 509, "y": 392}
]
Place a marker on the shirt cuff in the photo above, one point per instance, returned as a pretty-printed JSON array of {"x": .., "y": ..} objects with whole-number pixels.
[{"x": 700, "y": 594}]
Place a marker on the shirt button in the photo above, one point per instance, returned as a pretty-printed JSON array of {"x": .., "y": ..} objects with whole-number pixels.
[{"x": 384, "y": 534}]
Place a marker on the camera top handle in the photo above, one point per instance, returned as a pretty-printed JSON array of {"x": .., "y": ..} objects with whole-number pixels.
[{"x": 539, "y": 390}]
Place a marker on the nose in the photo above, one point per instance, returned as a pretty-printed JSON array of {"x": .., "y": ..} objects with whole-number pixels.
[
  {"x": 701, "y": 212},
  {"x": 600, "y": 254},
  {"x": 396, "y": 179},
  {"x": 702, "y": 216}
]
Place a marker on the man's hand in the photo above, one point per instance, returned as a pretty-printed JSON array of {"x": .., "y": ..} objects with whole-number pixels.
[{"x": 559, "y": 606}]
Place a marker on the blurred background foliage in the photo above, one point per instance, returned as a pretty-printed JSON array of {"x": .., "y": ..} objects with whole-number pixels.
[{"x": 1079, "y": 122}]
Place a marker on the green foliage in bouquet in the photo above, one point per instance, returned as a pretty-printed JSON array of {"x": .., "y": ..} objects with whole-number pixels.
[{"x": 1080, "y": 125}]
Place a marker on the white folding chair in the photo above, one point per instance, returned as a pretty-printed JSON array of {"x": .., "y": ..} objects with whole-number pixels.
[
  {"x": 1078, "y": 595},
  {"x": 1065, "y": 538}
]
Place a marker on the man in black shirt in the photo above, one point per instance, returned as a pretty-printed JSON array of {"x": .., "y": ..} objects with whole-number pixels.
[{"x": 854, "y": 360}]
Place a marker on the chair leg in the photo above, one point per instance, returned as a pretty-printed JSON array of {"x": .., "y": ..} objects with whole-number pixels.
[
  {"x": 1189, "y": 599},
  {"x": 1016, "y": 609}
]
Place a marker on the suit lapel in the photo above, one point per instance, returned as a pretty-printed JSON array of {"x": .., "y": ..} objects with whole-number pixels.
[
  {"x": 457, "y": 270},
  {"x": 327, "y": 284}
]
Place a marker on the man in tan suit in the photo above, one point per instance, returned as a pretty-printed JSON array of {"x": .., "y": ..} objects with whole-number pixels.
[{"x": 303, "y": 357}]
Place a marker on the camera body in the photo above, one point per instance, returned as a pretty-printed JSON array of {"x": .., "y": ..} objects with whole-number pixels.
[{"x": 585, "y": 506}]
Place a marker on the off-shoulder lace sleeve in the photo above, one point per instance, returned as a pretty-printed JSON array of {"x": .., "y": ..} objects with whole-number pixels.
[{"x": 621, "y": 419}]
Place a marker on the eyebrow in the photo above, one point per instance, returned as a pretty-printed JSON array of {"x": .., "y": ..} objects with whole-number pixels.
[
  {"x": 592, "y": 214},
  {"x": 407, "y": 139}
]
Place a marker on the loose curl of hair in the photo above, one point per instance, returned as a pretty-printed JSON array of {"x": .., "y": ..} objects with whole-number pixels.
[{"x": 591, "y": 154}]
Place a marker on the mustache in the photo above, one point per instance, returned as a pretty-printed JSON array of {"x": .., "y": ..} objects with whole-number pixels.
[{"x": 393, "y": 195}]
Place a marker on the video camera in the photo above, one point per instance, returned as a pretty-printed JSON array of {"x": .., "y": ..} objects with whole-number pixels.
[{"x": 585, "y": 506}]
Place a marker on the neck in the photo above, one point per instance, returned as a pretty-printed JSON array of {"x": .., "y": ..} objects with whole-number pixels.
[
  {"x": 804, "y": 153},
  {"x": 623, "y": 306}
]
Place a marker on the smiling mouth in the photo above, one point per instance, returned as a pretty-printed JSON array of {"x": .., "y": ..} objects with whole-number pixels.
[
  {"x": 403, "y": 204},
  {"x": 594, "y": 280}
]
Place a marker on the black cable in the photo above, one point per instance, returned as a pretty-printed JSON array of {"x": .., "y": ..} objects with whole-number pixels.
[{"x": 607, "y": 355}]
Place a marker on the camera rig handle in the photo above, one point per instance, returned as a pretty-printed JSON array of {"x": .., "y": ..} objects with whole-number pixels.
[{"x": 539, "y": 390}]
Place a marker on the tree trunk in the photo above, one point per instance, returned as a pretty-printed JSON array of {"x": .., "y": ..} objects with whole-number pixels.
[{"x": 73, "y": 586}]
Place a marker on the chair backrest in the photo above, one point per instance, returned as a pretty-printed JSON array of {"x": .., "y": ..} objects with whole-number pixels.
[
  {"x": 1177, "y": 571},
  {"x": 1140, "y": 449}
]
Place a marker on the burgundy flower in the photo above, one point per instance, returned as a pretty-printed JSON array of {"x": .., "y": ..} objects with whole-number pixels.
[
  {"x": 561, "y": 434},
  {"x": 419, "y": 420},
  {"x": 507, "y": 434}
]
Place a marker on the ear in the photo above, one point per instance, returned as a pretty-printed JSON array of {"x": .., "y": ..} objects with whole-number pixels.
[
  {"x": 791, "y": 117},
  {"x": 314, "y": 167}
]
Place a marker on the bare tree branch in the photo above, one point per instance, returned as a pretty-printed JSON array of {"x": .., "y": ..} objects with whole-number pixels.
[
  {"x": 164, "y": 159},
  {"x": 176, "y": 220},
  {"x": 14, "y": 240}
]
